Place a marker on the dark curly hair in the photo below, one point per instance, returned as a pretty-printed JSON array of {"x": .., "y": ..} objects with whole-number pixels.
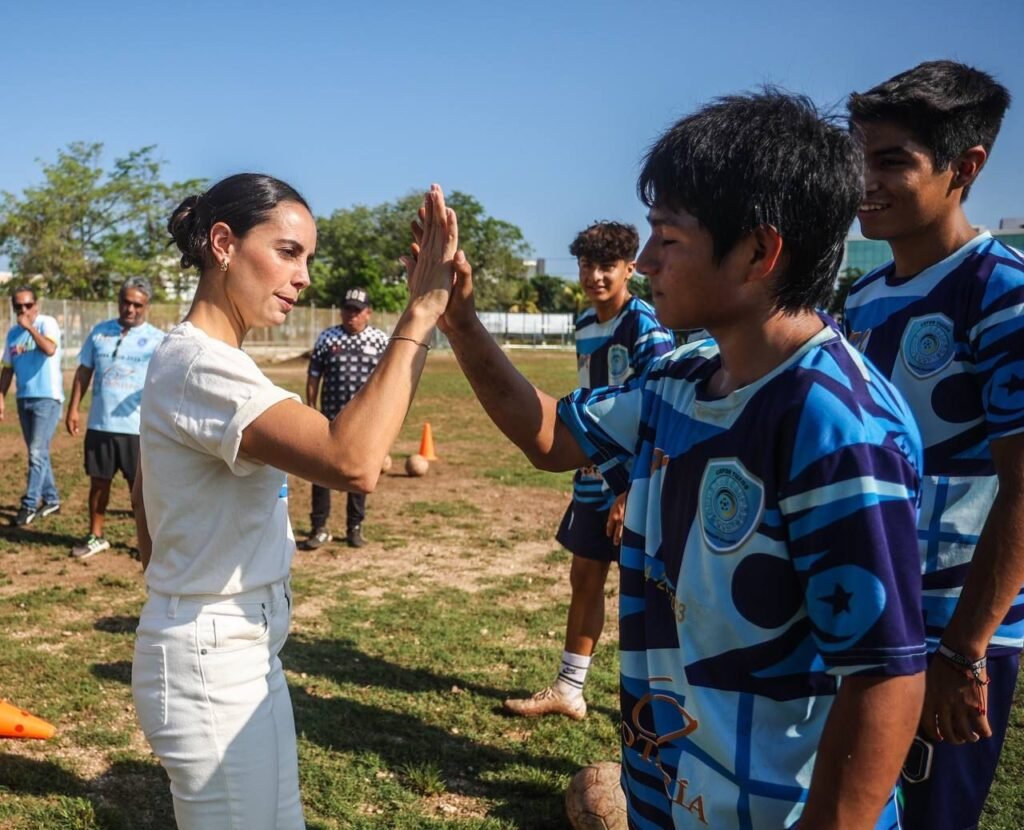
[
  {"x": 605, "y": 243},
  {"x": 949, "y": 107},
  {"x": 241, "y": 201}
]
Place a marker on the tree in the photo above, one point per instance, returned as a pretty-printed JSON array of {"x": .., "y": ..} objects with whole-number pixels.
[
  {"x": 360, "y": 246},
  {"x": 847, "y": 277},
  {"x": 83, "y": 230}
]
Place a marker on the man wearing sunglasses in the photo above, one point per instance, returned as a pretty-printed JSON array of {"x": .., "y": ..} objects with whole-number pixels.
[
  {"x": 32, "y": 355},
  {"x": 117, "y": 353}
]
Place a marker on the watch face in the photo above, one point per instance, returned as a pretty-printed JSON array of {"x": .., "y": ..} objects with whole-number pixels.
[{"x": 918, "y": 765}]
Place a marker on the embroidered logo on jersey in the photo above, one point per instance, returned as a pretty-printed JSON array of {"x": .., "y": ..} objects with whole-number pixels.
[
  {"x": 859, "y": 339},
  {"x": 731, "y": 503},
  {"x": 618, "y": 364},
  {"x": 928, "y": 345}
]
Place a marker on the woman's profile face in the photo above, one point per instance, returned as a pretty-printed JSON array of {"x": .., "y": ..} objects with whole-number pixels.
[{"x": 269, "y": 267}]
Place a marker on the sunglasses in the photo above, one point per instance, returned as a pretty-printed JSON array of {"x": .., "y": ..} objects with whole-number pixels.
[{"x": 22, "y": 306}]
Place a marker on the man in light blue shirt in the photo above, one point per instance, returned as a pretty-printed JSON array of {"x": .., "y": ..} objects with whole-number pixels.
[
  {"x": 32, "y": 355},
  {"x": 117, "y": 352}
]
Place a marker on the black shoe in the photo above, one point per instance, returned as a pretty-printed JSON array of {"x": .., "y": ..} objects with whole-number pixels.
[
  {"x": 318, "y": 538},
  {"x": 24, "y": 517},
  {"x": 354, "y": 537},
  {"x": 48, "y": 510}
]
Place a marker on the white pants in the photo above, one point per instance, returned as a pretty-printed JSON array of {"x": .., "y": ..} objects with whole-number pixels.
[{"x": 213, "y": 703}]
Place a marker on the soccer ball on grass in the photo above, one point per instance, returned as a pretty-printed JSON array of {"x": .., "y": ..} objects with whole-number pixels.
[{"x": 594, "y": 799}]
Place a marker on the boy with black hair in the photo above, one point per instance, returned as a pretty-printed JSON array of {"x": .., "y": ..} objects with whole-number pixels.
[
  {"x": 772, "y": 480},
  {"x": 616, "y": 339},
  {"x": 944, "y": 321}
]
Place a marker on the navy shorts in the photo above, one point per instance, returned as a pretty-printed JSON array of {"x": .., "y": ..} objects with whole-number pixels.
[
  {"x": 108, "y": 452},
  {"x": 582, "y": 533},
  {"x": 952, "y": 796}
]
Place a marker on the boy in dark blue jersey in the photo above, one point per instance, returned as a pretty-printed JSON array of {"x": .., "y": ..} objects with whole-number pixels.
[
  {"x": 768, "y": 549},
  {"x": 616, "y": 339},
  {"x": 944, "y": 321}
]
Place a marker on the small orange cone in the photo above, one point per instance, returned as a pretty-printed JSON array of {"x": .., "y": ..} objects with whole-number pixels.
[
  {"x": 17, "y": 723},
  {"x": 427, "y": 443}
]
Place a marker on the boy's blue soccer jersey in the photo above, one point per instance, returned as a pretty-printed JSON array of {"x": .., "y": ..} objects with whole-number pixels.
[
  {"x": 119, "y": 363},
  {"x": 608, "y": 354},
  {"x": 951, "y": 339},
  {"x": 768, "y": 550}
]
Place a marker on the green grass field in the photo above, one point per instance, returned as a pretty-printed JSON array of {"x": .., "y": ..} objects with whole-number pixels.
[{"x": 400, "y": 656}]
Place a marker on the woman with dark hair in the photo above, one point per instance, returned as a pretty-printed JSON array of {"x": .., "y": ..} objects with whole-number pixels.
[{"x": 211, "y": 495}]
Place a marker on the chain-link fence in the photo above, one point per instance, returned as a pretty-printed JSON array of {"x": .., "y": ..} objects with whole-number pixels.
[{"x": 296, "y": 336}]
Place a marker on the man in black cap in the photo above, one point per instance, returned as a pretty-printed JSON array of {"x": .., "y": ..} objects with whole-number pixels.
[{"x": 343, "y": 358}]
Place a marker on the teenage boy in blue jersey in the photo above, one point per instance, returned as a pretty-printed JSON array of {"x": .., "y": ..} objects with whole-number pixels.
[
  {"x": 944, "y": 321},
  {"x": 616, "y": 339},
  {"x": 117, "y": 353},
  {"x": 772, "y": 477}
]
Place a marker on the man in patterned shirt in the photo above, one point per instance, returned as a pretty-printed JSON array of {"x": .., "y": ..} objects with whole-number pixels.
[
  {"x": 769, "y": 542},
  {"x": 341, "y": 362},
  {"x": 944, "y": 321},
  {"x": 616, "y": 338}
]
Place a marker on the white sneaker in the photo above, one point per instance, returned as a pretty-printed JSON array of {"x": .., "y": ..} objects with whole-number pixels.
[{"x": 90, "y": 547}]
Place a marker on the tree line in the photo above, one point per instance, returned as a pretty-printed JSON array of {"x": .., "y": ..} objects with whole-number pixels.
[{"x": 84, "y": 228}]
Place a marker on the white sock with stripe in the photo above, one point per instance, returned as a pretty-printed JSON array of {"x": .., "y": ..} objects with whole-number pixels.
[{"x": 572, "y": 674}]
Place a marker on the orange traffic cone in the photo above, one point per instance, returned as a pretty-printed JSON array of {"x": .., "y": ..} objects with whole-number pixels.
[
  {"x": 427, "y": 443},
  {"x": 17, "y": 723}
]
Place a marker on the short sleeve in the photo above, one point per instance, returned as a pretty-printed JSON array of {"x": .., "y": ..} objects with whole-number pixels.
[
  {"x": 87, "y": 356},
  {"x": 49, "y": 329},
  {"x": 606, "y": 424},
  {"x": 997, "y": 343},
  {"x": 6, "y": 363},
  {"x": 222, "y": 396},
  {"x": 851, "y": 524},
  {"x": 317, "y": 356},
  {"x": 652, "y": 341}
]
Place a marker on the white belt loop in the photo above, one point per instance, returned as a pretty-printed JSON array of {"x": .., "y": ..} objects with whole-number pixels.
[{"x": 172, "y": 606}]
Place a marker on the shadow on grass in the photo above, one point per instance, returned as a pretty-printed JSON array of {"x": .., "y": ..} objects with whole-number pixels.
[
  {"x": 122, "y": 624},
  {"x": 35, "y": 536},
  {"x": 472, "y": 768},
  {"x": 129, "y": 795},
  {"x": 120, "y": 671}
]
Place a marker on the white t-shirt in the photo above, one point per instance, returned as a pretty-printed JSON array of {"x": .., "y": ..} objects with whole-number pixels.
[{"x": 219, "y": 520}]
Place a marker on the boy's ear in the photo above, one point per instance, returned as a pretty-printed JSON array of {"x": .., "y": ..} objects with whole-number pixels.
[
  {"x": 765, "y": 246},
  {"x": 630, "y": 268},
  {"x": 967, "y": 166}
]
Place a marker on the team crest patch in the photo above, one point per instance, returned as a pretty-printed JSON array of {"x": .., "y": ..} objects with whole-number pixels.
[
  {"x": 618, "y": 364},
  {"x": 928, "y": 344},
  {"x": 731, "y": 504}
]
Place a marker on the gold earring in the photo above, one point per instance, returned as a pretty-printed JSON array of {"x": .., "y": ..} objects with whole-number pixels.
[{"x": 224, "y": 264}]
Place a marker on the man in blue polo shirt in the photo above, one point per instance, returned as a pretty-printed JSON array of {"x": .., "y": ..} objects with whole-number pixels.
[
  {"x": 32, "y": 355},
  {"x": 117, "y": 353}
]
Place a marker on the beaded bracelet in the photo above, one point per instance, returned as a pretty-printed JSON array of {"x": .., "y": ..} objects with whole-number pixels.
[{"x": 411, "y": 340}]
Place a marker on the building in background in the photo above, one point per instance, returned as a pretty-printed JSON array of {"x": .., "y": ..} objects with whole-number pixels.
[{"x": 867, "y": 254}]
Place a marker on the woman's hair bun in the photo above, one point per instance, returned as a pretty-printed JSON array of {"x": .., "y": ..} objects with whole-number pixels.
[{"x": 185, "y": 228}]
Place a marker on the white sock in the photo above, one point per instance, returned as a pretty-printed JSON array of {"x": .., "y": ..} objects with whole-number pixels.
[{"x": 572, "y": 674}]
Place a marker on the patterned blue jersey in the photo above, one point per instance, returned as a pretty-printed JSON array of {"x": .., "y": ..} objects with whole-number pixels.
[
  {"x": 608, "y": 354},
  {"x": 951, "y": 339},
  {"x": 119, "y": 359},
  {"x": 767, "y": 551}
]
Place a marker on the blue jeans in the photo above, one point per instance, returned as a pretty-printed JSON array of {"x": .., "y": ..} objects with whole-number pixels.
[{"x": 39, "y": 418}]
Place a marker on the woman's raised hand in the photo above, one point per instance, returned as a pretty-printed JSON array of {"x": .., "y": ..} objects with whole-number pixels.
[{"x": 432, "y": 270}]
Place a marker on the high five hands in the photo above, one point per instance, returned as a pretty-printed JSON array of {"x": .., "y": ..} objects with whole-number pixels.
[
  {"x": 430, "y": 271},
  {"x": 434, "y": 223}
]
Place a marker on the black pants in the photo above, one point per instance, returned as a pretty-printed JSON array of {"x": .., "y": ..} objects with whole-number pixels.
[{"x": 355, "y": 509}]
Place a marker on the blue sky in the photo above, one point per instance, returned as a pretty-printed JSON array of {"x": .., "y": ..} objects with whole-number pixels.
[{"x": 542, "y": 110}]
